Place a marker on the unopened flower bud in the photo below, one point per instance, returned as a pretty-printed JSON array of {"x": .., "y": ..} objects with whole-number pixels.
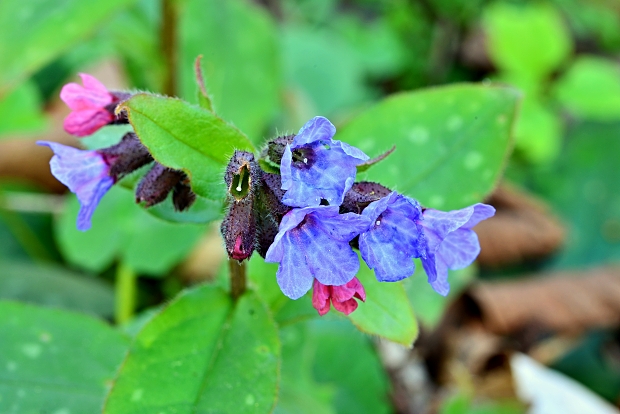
[
  {"x": 157, "y": 183},
  {"x": 274, "y": 149},
  {"x": 269, "y": 211},
  {"x": 126, "y": 156},
  {"x": 361, "y": 195},
  {"x": 182, "y": 196},
  {"x": 243, "y": 177}
]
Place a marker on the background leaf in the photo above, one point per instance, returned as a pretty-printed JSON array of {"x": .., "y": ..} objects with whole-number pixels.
[
  {"x": 530, "y": 39},
  {"x": 241, "y": 68},
  {"x": 186, "y": 137},
  {"x": 53, "y": 27},
  {"x": 123, "y": 230},
  {"x": 56, "y": 287},
  {"x": 55, "y": 361},
  {"x": 232, "y": 366},
  {"x": 451, "y": 142},
  {"x": 590, "y": 89},
  {"x": 21, "y": 112},
  {"x": 347, "y": 359},
  {"x": 386, "y": 312}
]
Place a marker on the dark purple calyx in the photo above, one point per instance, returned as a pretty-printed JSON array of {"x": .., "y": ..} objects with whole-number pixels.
[
  {"x": 182, "y": 195},
  {"x": 269, "y": 211},
  {"x": 243, "y": 178},
  {"x": 361, "y": 195},
  {"x": 274, "y": 149},
  {"x": 126, "y": 156},
  {"x": 118, "y": 97},
  {"x": 157, "y": 183}
]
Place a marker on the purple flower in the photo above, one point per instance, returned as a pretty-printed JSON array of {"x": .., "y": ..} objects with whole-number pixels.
[
  {"x": 88, "y": 106},
  {"x": 342, "y": 297},
  {"x": 313, "y": 243},
  {"x": 315, "y": 167},
  {"x": 450, "y": 241},
  {"x": 86, "y": 173},
  {"x": 394, "y": 238}
]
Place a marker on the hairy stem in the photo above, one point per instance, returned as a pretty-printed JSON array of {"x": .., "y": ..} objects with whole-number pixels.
[
  {"x": 238, "y": 279},
  {"x": 125, "y": 293}
]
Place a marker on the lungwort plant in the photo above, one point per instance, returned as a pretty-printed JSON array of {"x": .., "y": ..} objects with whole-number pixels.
[{"x": 401, "y": 181}]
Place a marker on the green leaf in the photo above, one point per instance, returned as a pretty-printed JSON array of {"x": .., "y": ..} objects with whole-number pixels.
[
  {"x": 346, "y": 358},
  {"x": 202, "y": 354},
  {"x": 123, "y": 230},
  {"x": 386, "y": 312},
  {"x": 34, "y": 32},
  {"x": 242, "y": 68},
  {"x": 55, "y": 361},
  {"x": 21, "y": 111},
  {"x": 186, "y": 137},
  {"x": 530, "y": 39},
  {"x": 202, "y": 211},
  {"x": 300, "y": 393},
  {"x": 590, "y": 89},
  {"x": 54, "y": 286},
  {"x": 262, "y": 277},
  {"x": 538, "y": 133},
  {"x": 451, "y": 142}
]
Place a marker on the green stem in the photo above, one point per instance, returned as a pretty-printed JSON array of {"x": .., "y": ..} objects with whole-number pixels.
[
  {"x": 125, "y": 293},
  {"x": 238, "y": 278}
]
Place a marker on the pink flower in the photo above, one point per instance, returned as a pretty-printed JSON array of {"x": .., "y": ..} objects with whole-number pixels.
[
  {"x": 342, "y": 297},
  {"x": 89, "y": 106}
]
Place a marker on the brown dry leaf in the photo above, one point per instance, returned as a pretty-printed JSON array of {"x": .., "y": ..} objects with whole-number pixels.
[
  {"x": 562, "y": 302},
  {"x": 522, "y": 229}
]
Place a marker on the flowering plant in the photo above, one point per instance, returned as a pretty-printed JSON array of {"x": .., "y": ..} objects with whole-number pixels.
[{"x": 298, "y": 203}]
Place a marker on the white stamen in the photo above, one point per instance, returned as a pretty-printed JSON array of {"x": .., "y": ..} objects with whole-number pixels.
[
  {"x": 239, "y": 187},
  {"x": 305, "y": 160},
  {"x": 378, "y": 222}
]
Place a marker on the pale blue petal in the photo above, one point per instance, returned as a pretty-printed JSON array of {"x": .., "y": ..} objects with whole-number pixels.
[
  {"x": 316, "y": 129},
  {"x": 459, "y": 249},
  {"x": 481, "y": 212},
  {"x": 293, "y": 275},
  {"x": 86, "y": 210},
  {"x": 441, "y": 284},
  {"x": 393, "y": 239}
]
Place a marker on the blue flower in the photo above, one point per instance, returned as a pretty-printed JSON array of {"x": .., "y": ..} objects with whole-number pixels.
[
  {"x": 313, "y": 242},
  {"x": 450, "y": 241},
  {"x": 394, "y": 238},
  {"x": 315, "y": 167},
  {"x": 86, "y": 173}
]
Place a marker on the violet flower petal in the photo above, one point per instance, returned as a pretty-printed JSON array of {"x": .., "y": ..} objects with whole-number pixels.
[
  {"x": 313, "y": 242},
  {"x": 85, "y": 173},
  {"x": 394, "y": 237},
  {"x": 328, "y": 168}
]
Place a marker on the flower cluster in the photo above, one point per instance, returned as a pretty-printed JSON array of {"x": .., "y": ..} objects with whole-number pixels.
[
  {"x": 309, "y": 218},
  {"x": 90, "y": 174}
]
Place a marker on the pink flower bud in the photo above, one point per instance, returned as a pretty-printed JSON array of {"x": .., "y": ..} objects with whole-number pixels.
[{"x": 88, "y": 105}]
